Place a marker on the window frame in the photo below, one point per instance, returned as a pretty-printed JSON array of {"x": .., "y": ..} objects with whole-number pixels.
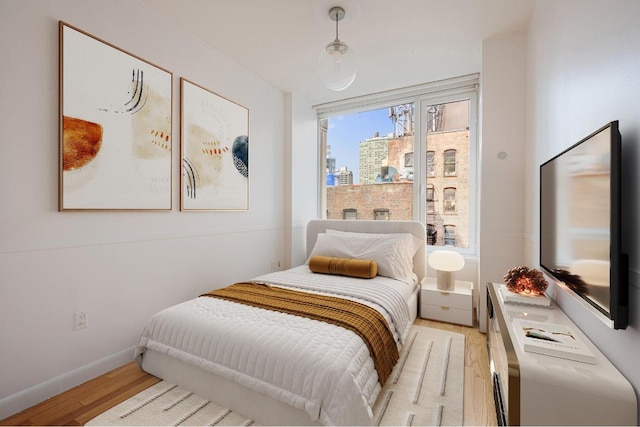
[
  {"x": 470, "y": 93},
  {"x": 439, "y": 92}
]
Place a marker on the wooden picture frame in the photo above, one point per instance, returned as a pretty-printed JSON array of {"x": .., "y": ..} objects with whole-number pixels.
[
  {"x": 115, "y": 127},
  {"x": 214, "y": 151}
]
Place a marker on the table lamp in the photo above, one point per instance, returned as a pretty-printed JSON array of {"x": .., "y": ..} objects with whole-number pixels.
[{"x": 446, "y": 263}]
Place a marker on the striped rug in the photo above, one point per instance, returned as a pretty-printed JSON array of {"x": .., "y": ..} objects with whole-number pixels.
[{"x": 425, "y": 388}]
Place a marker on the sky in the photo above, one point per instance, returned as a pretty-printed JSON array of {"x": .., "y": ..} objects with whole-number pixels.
[{"x": 345, "y": 133}]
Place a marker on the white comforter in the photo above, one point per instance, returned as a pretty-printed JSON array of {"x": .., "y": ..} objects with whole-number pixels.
[{"x": 321, "y": 368}]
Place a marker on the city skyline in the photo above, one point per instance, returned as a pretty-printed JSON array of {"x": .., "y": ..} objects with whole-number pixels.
[{"x": 345, "y": 132}]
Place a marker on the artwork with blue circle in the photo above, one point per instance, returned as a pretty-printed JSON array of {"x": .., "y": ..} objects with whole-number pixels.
[
  {"x": 240, "y": 153},
  {"x": 215, "y": 151}
]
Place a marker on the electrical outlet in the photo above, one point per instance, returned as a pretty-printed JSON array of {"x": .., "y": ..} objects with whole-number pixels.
[
  {"x": 275, "y": 265},
  {"x": 80, "y": 320}
]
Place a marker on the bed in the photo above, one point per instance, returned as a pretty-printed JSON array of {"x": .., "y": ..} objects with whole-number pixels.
[{"x": 282, "y": 369}]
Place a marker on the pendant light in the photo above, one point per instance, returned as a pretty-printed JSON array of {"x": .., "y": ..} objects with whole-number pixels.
[{"x": 336, "y": 63}]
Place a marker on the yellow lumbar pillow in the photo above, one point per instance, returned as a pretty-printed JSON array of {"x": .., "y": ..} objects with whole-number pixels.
[{"x": 362, "y": 268}]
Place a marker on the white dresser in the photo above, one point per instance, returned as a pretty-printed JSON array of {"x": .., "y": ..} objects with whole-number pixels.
[
  {"x": 536, "y": 389},
  {"x": 454, "y": 306}
]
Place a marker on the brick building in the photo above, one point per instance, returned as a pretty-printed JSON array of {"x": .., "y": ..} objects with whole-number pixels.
[{"x": 447, "y": 190}]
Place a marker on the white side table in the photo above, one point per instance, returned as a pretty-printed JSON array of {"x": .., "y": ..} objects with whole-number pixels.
[{"x": 455, "y": 306}]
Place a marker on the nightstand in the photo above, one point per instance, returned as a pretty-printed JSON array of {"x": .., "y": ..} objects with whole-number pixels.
[{"x": 455, "y": 306}]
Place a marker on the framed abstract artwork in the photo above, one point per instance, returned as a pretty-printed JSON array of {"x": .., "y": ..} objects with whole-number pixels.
[
  {"x": 215, "y": 151},
  {"x": 115, "y": 127}
]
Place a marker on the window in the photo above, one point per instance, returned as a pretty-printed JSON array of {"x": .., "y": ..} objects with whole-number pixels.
[
  {"x": 449, "y": 202},
  {"x": 381, "y": 214},
  {"x": 450, "y": 141},
  {"x": 425, "y": 134},
  {"x": 449, "y": 162},
  {"x": 379, "y": 155},
  {"x": 350, "y": 213},
  {"x": 431, "y": 165},
  {"x": 408, "y": 160},
  {"x": 449, "y": 235}
]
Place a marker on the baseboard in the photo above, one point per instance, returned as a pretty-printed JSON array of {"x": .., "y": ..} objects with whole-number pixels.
[{"x": 33, "y": 395}]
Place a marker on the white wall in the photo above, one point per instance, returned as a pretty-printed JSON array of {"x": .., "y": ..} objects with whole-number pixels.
[
  {"x": 120, "y": 267},
  {"x": 583, "y": 66},
  {"x": 502, "y": 191},
  {"x": 303, "y": 161}
]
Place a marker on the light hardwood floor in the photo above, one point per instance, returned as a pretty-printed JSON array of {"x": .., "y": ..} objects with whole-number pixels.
[{"x": 84, "y": 402}]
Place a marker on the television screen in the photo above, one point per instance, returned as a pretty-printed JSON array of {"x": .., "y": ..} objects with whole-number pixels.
[{"x": 580, "y": 222}]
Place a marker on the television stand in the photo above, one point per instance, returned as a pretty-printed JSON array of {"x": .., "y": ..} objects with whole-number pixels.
[{"x": 536, "y": 389}]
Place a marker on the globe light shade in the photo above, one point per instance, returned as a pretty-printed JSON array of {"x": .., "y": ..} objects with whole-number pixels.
[
  {"x": 337, "y": 65},
  {"x": 446, "y": 263}
]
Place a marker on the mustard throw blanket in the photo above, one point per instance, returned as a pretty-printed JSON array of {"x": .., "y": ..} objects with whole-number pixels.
[{"x": 368, "y": 323}]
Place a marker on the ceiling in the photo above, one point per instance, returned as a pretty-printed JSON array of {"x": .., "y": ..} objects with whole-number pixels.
[{"x": 398, "y": 44}]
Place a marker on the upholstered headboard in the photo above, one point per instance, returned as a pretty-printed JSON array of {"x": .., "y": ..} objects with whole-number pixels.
[{"x": 316, "y": 226}]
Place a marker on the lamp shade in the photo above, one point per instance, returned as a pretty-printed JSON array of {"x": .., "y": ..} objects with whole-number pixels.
[
  {"x": 337, "y": 65},
  {"x": 446, "y": 261}
]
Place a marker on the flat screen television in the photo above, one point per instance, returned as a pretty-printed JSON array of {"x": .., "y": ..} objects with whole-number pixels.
[{"x": 580, "y": 223}]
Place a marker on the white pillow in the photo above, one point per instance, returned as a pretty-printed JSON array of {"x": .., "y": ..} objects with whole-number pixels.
[
  {"x": 415, "y": 242},
  {"x": 394, "y": 255}
]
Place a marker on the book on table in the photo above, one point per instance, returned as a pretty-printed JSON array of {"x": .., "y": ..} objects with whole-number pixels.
[
  {"x": 510, "y": 297},
  {"x": 552, "y": 340}
]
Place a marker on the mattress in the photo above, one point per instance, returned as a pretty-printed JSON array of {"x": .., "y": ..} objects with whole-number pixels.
[{"x": 321, "y": 369}]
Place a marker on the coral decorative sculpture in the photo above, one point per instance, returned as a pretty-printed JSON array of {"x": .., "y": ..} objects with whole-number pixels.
[{"x": 526, "y": 281}]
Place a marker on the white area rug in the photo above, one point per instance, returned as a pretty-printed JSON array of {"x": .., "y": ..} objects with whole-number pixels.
[
  {"x": 165, "y": 404},
  {"x": 425, "y": 388}
]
